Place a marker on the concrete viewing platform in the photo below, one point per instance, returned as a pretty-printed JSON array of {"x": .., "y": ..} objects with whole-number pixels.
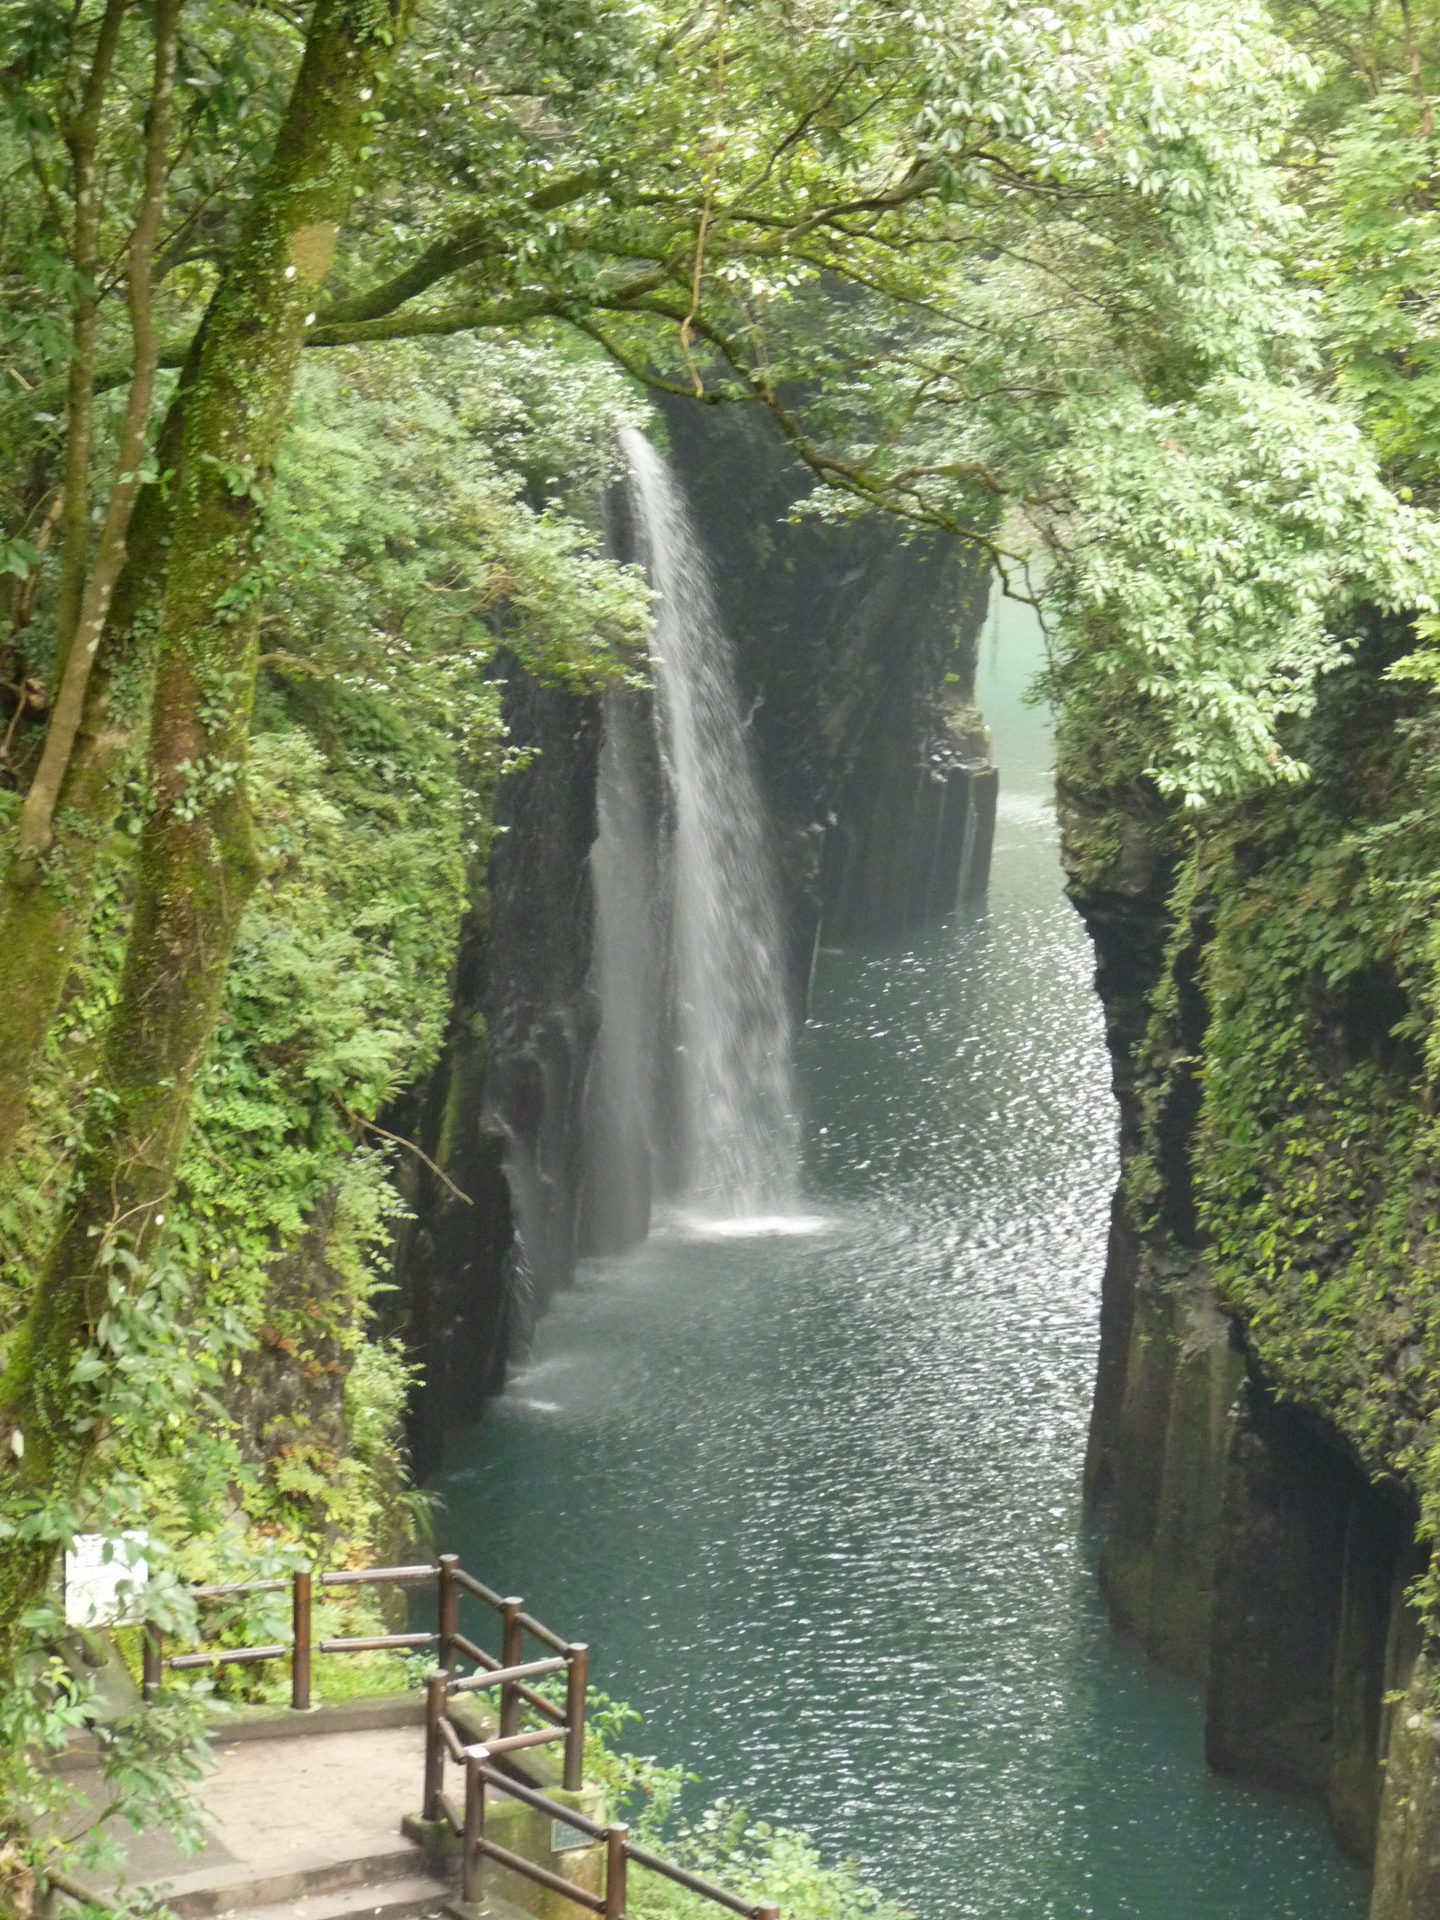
[
  {"x": 353, "y": 1811},
  {"x": 303, "y": 1819}
]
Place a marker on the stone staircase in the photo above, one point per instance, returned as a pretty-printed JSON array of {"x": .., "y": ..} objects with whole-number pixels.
[{"x": 386, "y": 1879}]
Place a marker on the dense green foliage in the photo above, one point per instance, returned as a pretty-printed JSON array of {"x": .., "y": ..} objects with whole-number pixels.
[
  {"x": 412, "y": 539},
  {"x": 1139, "y": 298},
  {"x": 1313, "y": 1159},
  {"x": 750, "y": 1857},
  {"x": 402, "y": 551}
]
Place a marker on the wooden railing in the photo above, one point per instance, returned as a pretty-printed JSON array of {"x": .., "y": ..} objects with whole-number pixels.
[
  {"x": 489, "y": 1766},
  {"x": 511, "y": 1676}
]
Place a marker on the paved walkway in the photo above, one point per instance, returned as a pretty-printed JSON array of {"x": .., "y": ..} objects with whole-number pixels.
[{"x": 328, "y": 1794}]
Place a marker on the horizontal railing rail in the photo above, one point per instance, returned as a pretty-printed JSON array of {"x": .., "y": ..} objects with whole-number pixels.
[{"x": 299, "y": 1649}]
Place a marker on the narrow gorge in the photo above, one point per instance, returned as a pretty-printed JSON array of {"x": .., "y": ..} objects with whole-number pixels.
[
  {"x": 813, "y": 1493},
  {"x": 657, "y": 1209},
  {"x": 720, "y": 902},
  {"x": 640, "y": 947}
]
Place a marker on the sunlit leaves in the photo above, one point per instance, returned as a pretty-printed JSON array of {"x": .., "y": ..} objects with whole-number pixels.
[
  {"x": 1217, "y": 553},
  {"x": 1380, "y": 270}
]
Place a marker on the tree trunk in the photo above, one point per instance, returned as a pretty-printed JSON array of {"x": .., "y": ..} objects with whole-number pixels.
[
  {"x": 195, "y": 865},
  {"x": 82, "y": 137},
  {"x": 45, "y": 905}
]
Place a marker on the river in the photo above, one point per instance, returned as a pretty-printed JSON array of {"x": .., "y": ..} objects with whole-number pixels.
[{"x": 813, "y": 1497}]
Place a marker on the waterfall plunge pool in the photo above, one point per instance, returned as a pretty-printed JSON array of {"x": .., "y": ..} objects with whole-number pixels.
[{"x": 813, "y": 1496}]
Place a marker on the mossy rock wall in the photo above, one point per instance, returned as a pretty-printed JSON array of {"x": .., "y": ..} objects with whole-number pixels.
[
  {"x": 1407, "y": 1863},
  {"x": 1245, "y": 1549},
  {"x": 1265, "y": 1439},
  {"x": 494, "y": 1230}
]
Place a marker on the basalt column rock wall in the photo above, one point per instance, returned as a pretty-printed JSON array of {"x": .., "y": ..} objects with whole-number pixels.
[{"x": 1261, "y": 1528}]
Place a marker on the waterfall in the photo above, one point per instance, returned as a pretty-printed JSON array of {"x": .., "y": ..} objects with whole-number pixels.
[
  {"x": 623, "y": 1123},
  {"x": 698, "y": 1069}
]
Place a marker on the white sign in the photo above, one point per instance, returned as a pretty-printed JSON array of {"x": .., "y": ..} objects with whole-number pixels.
[{"x": 104, "y": 1578}]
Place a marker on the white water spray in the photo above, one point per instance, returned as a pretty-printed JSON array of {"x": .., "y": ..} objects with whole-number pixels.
[{"x": 626, "y": 1096}]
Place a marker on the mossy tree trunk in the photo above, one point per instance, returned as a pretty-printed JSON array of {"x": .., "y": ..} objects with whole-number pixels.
[
  {"x": 195, "y": 865},
  {"x": 79, "y": 641}
]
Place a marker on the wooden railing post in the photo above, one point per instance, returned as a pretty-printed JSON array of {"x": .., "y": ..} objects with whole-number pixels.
[
  {"x": 470, "y": 1858},
  {"x": 434, "y": 1745},
  {"x": 512, "y": 1652},
  {"x": 447, "y": 1600},
  {"x": 616, "y": 1860},
  {"x": 152, "y": 1668},
  {"x": 301, "y": 1624},
  {"x": 767, "y": 1913},
  {"x": 575, "y": 1682}
]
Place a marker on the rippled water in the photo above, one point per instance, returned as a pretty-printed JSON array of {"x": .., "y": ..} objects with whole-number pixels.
[{"x": 812, "y": 1495}]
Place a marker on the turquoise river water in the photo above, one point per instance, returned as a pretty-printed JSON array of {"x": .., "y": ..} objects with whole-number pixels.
[{"x": 813, "y": 1498}]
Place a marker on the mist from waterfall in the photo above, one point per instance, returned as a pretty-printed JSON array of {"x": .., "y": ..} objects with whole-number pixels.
[{"x": 693, "y": 1059}]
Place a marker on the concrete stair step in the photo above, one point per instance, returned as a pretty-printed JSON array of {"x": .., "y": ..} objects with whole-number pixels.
[
  {"x": 209, "y": 1891},
  {"x": 417, "y": 1894}
]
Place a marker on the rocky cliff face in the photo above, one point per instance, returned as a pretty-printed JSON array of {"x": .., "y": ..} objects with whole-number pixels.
[
  {"x": 1260, "y": 1444},
  {"x": 492, "y": 1240},
  {"x": 857, "y": 647}
]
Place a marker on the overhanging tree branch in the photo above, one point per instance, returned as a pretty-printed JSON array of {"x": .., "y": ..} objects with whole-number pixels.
[
  {"x": 897, "y": 496},
  {"x": 472, "y": 316},
  {"x": 452, "y": 251}
]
